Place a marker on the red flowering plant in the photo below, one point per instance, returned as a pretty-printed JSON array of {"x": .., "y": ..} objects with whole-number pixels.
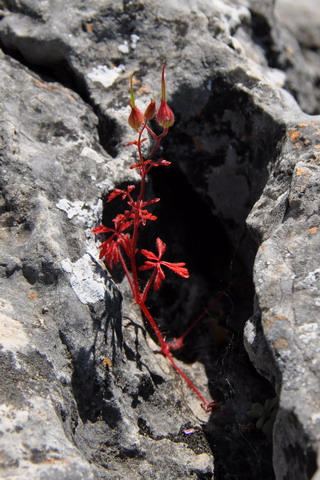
[{"x": 120, "y": 246}]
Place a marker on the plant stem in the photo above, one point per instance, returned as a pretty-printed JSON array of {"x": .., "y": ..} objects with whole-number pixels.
[
  {"x": 180, "y": 340},
  {"x": 127, "y": 273},
  {"x": 153, "y": 324}
]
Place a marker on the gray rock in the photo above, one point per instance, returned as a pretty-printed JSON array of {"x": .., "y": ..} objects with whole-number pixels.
[
  {"x": 83, "y": 394},
  {"x": 302, "y": 20},
  {"x": 75, "y": 388},
  {"x": 287, "y": 287}
]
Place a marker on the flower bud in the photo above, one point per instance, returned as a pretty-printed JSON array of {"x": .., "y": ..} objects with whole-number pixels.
[
  {"x": 150, "y": 110},
  {"x": 165, "y": 116},
  {"x": 136, "y": 118}
]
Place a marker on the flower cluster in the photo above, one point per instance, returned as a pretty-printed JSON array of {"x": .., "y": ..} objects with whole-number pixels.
[{"x": 120, "y": 246}]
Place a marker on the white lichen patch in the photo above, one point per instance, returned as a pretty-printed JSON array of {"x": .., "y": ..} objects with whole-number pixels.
[
  {"x": 134, "y": 40},
  {"x": 71, "y": 208},
  {"x": 88, "y": 286},
  {"x": 104, "y": 75},
  {"x": 124, "y": 47},
  {"x": 85, "y": 212}
]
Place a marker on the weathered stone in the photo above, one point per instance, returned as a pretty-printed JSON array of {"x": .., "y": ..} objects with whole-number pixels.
[
  {"x": 83, "y": 394},
  {"x": 73, "y": 394},
  {"x": 287, "y": 287}
]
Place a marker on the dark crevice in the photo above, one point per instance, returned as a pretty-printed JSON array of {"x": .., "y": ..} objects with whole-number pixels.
[
  {"x": 109, "y": 133},
  {"x": 196, "y": 441},
  {"x": 198, "y": 232},
  {"x": 189, "y": 224},
  {"x": 262, "y": 36},
  {"x": 301, "y": 457},
  {"x": 220, "y": 253}
]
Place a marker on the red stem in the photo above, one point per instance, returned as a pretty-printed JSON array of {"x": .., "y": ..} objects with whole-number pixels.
[
  {"x": 151, "y": 132},
  {"x": 200, "y": 317},
  {"x": 165, "y": 350},
  {"x": 133, "y": 278},
  {"x": 127, "y": 273},
  {"x": 153, "y": 324},
  {"x": 186, "y": 379},
  {"x": 136, "y": 222},
  {"x": 148, "y": 285},
  {"x": 158, "y": 140}
]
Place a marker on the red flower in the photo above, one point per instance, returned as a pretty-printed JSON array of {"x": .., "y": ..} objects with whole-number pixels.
[
  {"x": 150, "y": 110},
  {"x": 143, "y": 214},
  {"x": 110, "y": 248},
  {"x": 161, "y": 162},
  {"x": 136, "y": 117},
  {"x": 125, "y": 193},
  {"x": 156, "y": 262},
  {"x": 165, "y": 117}
]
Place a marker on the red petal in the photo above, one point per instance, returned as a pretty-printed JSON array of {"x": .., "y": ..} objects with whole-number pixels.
[
  {"x": 126, "y": 242},
  {"x": 161, "y": 162},
  {"x": 178, "y": 268},
  {"x": 104, "y": 249},
  {"x": 161, "y": 247},
  {"x": 160, "y": 276},
  {"x": 135, "y": 165},
  {"x": 149, "y": 202},
  {"x": 135, "y": 142},
  {"x": 147, "y": 265},
  {"x": 115, "y": 192},
  {"x": 101, "y": 229},
  {"x": 145, "y": 215},
  {"x": 110, "y": 250},
  {"x": 149, "y": 255}
]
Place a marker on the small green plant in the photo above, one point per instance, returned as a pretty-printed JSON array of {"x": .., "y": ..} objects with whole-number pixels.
[
  {"x": 121, "y": 245},
  {"x": 265, "y": 415}
]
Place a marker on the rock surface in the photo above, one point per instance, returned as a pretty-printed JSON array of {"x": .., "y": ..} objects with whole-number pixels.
[{"x": 83, "y": 394}]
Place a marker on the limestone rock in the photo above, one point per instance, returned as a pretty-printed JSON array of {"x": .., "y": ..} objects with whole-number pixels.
[{"x": 83, "y": 394}]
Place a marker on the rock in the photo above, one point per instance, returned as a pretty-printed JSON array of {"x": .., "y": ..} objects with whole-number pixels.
[
  {"x": 75, "y": 386},
  {"x": 296, "y": 17},
  {"x": 83, "y": 394},
  {"x": 303, "y": 22},
  {"x": 287, "y": 287}
]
